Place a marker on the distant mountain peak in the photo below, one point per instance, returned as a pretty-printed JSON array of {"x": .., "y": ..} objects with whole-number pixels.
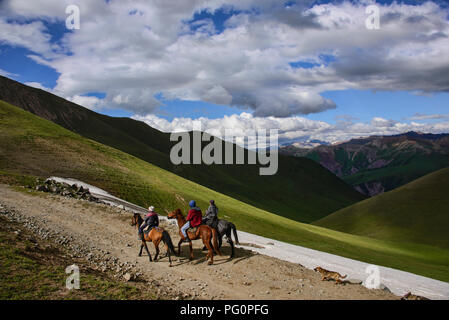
[{"x": 376, "y": 164}]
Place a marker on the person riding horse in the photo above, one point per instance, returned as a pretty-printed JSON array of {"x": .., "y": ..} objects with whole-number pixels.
[
  {"x": 194, "y": 219},
  {"x": 151, "y": 220},
  {"x": 211, "y": 215}
]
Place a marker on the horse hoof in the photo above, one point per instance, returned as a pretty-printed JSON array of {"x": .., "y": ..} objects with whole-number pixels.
[{"x": 210, "y": 262}]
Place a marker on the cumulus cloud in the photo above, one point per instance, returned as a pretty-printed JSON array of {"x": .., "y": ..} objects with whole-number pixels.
[
  {"x": 135, "y": 51},
  {"x": 291, "y": 129}
]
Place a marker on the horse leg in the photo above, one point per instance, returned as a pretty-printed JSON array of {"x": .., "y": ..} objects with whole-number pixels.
[
  {"x": 210, "y": 254},
  {"x": 179, "y": 246},
  {"x": 148, "y": 251},
  {"x": 156, "y": 245},
  {"x": 141, "y": 248},
  {"x": 168, "y": 254},
  {"x": 213, "y": 250},
  {"x": 220, "y": 241},
  {"x": 231, "y": 243}
]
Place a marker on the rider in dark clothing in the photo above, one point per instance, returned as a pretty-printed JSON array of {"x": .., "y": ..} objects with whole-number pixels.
[
  {"x": 211, "y": 215},
  {"x": 151, "y": 220}
]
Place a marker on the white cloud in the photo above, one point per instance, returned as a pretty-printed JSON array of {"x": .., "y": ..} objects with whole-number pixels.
[
  {"x": 292, "y": 128},
  {"x": 134, "y": 50},
  {"x": 7, "y": 74},
  {"x": 419, "y": 116},
  {"x": 89, "y": 102}
]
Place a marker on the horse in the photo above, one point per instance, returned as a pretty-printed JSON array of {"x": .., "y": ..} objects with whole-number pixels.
[
  {"x": 155, "y": 235},
  {"x": 203, "y": 231},
  {"x": 224, "y": 228}
]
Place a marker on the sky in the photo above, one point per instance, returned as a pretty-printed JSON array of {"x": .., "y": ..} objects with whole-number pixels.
[{"x": 314, "y": 70}]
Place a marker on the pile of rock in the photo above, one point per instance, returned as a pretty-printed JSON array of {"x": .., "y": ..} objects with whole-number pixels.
[{"x": 65, "y": 189}]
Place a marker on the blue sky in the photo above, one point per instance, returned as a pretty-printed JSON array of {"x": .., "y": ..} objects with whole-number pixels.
[{"x": 316, "y": 80}]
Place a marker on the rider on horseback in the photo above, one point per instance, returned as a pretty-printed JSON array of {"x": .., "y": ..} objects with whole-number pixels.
[
  {"x": 194, "y": 219},
  {"x": 151, "y": 220},
  {"x": 211, "y": 216}
]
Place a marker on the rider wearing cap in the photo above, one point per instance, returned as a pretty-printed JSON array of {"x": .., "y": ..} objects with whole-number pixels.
[
  {"x": 194, "y": 219},
  {"x": 150, "y": 220},
  {"x": 211, "y": 215}
]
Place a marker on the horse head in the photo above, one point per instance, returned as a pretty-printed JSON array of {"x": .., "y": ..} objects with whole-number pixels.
[
  {"x": 135, "y": 219},
  {"x": 175, "y": 214}
]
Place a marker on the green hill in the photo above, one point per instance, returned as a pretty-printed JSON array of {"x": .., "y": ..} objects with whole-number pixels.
[
  {"x": 416, "y": 212},
  {"x": 301, "y": 190},
  {"x": 31, "y": 146}
]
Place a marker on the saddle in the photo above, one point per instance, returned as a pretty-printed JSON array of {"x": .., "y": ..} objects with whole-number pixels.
[
  {"x": 192, "y": 230},
  {"x": 148, "y": 229}
]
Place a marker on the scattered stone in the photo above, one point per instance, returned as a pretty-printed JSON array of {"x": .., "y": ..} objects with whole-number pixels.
[
  {"x": 66, "y": 190},
  {"x": 127, "y": 277},
  {"x": 410, "y": 296},
  {"x": 354, "y": 281},
  {"x": 384, "y": 288}
]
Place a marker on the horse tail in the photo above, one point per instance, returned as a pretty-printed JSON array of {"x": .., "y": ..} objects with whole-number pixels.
[
  {"x": 167, "y": 240},
  {"x": 234, "y": 230},
  {"x": 215, "y": 241}
]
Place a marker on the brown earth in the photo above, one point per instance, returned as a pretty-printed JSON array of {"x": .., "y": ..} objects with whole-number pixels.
[{"x": 103, "y": 236}]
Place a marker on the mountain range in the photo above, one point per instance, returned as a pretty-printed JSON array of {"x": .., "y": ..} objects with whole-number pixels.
[
  {"x": 377, "y": 164},
  {"x": 301, "y": 190}
]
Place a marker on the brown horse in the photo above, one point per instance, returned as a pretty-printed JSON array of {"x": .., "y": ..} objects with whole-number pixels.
[
  {"x": 203, "y": 232},
  {"x": 155, "y": 236}
]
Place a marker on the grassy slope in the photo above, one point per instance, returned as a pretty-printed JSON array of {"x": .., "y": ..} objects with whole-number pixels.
[
  {"x": 33, "y": 146},
  {"x": 301, "y": 190},
  {"x": 415, "y": 212},
  {"x": 398, "y": 174}
]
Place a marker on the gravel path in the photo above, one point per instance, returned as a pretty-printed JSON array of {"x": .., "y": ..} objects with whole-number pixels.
[{"x": 103, "y": 235}]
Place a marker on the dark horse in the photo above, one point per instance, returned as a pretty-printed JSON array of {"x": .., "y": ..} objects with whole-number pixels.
[
  {"x": 203, "y": 232},
  {"x": 155, "y": 235},
  {"x": 224, "y": 228}
]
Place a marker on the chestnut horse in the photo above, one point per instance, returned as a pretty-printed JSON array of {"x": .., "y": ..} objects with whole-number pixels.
[
  {"x": 155, "y": 235},
  {"x": 203, "y": 231}
]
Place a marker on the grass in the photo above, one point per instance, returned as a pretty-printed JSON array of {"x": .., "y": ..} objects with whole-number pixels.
[
  {"x": 33, "y": 269},
  {"x": 399, "y": 174},
  {"x": 416, "y": 212},
  {"x": 36, "y": 147}
]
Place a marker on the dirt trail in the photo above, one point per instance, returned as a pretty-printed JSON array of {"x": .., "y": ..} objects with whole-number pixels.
[{"x": 103, "y": 234}]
